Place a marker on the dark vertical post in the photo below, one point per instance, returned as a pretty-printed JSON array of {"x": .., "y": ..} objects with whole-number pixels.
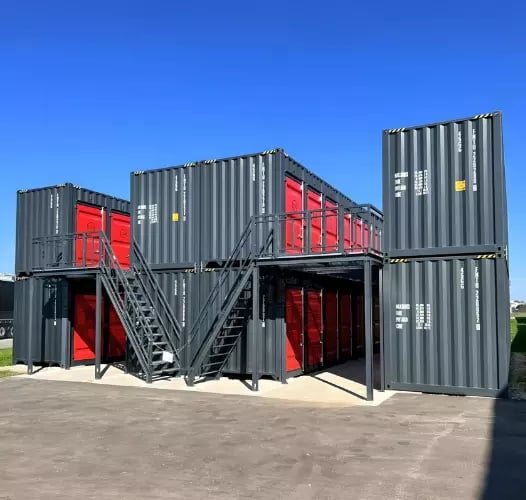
[
  {"x": 255, "y": 328},
  {"x": 98, "y": 325},
  {"x": 31, "y": 326},
  {"x": 367, "y": 294},
  {"x": 307, "y": 224},
  {"x": 382, "y": 347},
  {"x": 341, "y": 229}
]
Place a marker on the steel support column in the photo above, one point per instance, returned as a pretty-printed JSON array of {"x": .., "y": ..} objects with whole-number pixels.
[
  {"x": 382, "y": 347},
  {"x": 98, "y": 325},
  {"x": 255, "y": 329},
  {"x": 31, "y": 326},
  {"x": 368, "y": 317}
]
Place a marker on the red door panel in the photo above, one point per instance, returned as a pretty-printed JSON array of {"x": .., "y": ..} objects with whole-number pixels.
[
  {"x": 120, "y": 238},
  {"x": 330, "y": 328},
  {"x": 360, "y": 235},
  {"x": 89, "y": 220},
  {"x": 345, "y": 327},
  {"x": 314, "y": 326},
  {"x": 314, "y": 203},
  {"x": 293, "y": 223},
  {"x": 294, "y": 324},
  {"x": 84, "y": 327},
  {"x": 116, "y": 336},
  {"x": 331, "y": 214}
]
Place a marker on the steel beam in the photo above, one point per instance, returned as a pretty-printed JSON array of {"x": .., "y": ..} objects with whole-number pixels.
[
  {"x": 369, "y": 342},
  {"x": 31, "y": 326},
  {"x": 98, "y": 332},
  {"x": 255, "y": 329},
  {"x": 382, "y": 347}
]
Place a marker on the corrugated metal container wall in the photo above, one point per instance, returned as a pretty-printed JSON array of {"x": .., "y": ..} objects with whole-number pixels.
[
  {"x": 188, "y": 291},
  {"x": 447, "y": 325},
  {"x": 444, "y": 186},
  {"x": 196, "y": 213},
  {"x": 7, "y": 296},
  {"x": 47, "y": 310},
  {"x": 51, "y": 211}
]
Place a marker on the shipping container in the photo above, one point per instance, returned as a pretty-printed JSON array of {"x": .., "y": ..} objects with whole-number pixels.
[
  {"x": 299, "y": 319},
  {"x": 60, "y": 312},
  {"x": 196, "y": 213},
  {"x": 444, "y": 189},
  {"x": 7, "y": 296},
  {"x": 446, "y": 325},
  {"x": 58, "y": 211}
]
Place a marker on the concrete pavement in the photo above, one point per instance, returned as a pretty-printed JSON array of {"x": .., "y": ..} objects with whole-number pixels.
[{"x": 66, "y": 440}]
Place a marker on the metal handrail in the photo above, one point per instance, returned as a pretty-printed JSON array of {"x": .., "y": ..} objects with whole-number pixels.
[{"x": 159, "y": 294}]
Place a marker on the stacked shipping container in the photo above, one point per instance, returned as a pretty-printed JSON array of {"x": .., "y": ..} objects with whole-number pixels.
[
  {"x": 60, "y": 308},
  {"x": 446, "y": 277}
]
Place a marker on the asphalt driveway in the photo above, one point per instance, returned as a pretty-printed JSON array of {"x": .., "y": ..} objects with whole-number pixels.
[{"x": 69, "y": 440}]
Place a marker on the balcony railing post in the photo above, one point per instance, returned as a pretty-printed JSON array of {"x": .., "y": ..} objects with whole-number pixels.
[
  {"x": 307, "y": 229},
  {"x": 84, "y": 248},
  {"x": 341, "y": 229}
]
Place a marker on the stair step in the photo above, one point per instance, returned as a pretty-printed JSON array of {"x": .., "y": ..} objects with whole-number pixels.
[
  {"x": 165, "y": 370},
  {"x": 160, "y": 362},
  {"x": 226, "y": 345},
  {"x": 235, "y": 327}
]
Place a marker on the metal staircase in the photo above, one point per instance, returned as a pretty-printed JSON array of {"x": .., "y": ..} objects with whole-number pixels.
[
  {"x": 152, "y": 331},
  {"x": 223, "y": 318}
]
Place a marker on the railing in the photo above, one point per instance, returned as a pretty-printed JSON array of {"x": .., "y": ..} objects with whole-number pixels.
[
  {"x": 335, "y": 230},
  {"x": 157, "y": 297}
]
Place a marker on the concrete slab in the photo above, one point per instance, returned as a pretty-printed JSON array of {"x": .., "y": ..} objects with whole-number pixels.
[
  {"x": 341, "y": 385},
  {"x": 77, "y": 440},
  {"x": 6, "y": 343}
]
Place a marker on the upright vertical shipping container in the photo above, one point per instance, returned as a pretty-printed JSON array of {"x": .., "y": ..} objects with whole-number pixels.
[
  {"x": 444, "y": 189},
  {"x": 446, "y": 324},
  {"x": 196, "y": 213},
  {"x": 57, "y": 211}
]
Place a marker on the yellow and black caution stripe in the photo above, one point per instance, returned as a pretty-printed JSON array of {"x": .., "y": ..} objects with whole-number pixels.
[
  {"x": 208, "y": 162},
  {"x": 484, "y": 115},
  {"x": 190, "y": 270},
  {"x": 396, "y": 130},
  {"x": 487, "y": 256},
  {"x": 271, "y": 151},
  {"x": 190, "y": 164},
  {"x": 398, "y": 261},
  {"x": 210, "y": 269},
  {"x": 138, "y": 172}
]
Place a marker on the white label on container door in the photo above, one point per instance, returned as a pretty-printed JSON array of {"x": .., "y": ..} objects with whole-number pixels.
[
  {"x": 401, "y": 318},
  {"x": 51, "y": 200},
  {"x": 263, "y": 190},
  {"x": 253, "y": 168},
  {"x": 175, "y": 287},
  {"x": 184, "y": 197},
  {"x": 153, "y": 214},
  {"x": 423, "y": 316},
  {"x": 462, "y": 284},
  {"x": 459, "y": 141},
  {"x": 183, "y": 315},
  {"x": 400, "y": 183},
  {"x": 474, "y": 158},
  {"x": 421, "y": 180},
  {"x": 477, "y": 298},
  {"x": 57, "y": 205}
]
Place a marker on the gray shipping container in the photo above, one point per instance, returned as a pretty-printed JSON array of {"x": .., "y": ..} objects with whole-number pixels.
[
  {"x": 444, "y": 189},
  {"x": 51, "y": 211},
  {"x": 45, "y": 310},
  {"x": 196, "y": 213},
  {"x": 446, "y": 324}
]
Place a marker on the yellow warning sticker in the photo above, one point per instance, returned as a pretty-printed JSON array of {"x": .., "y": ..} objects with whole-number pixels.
[
  {"x": 175, "y": 217},
  {"x": 460, "y": 185}
]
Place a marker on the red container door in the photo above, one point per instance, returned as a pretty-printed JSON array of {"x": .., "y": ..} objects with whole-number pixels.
[
  {"x": 345, "y": 327},
  {"x": 314, "y": 327},
  {"x": 120, "y": 238},
  {"x": 294, "y": 325},
  {"x": 358, "y": 327},
  {"x": 347, "y": 232},
  {"x": 330, "y": 328},
  {"x": 293, "y": 222},
  {"x": 314, "y": 205},
  {"x": 84, "y": 327},
  {"x": 116, "y": 336},
  {"x": 331, "y": 214},
  {"x": 89, "y": 220}
]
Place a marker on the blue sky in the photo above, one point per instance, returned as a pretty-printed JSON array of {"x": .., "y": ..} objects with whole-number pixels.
[{"x": 90, "y": 91}]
